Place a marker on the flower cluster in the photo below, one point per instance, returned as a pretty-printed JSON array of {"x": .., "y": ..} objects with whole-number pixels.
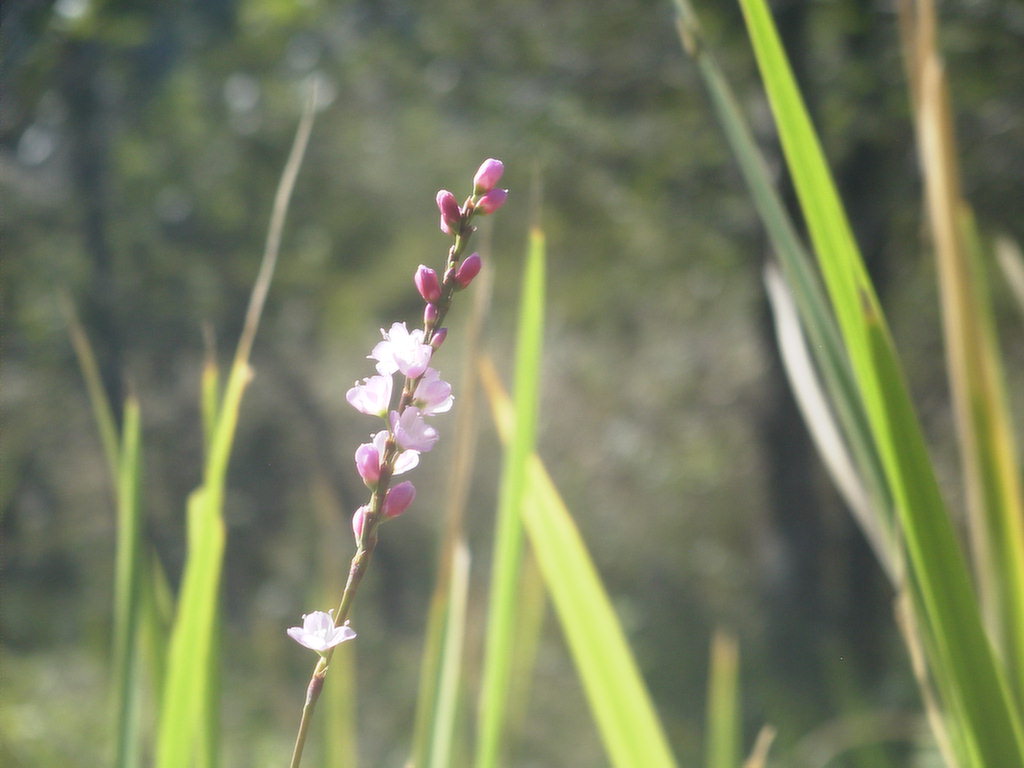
[{"x": 407, "y": 429}]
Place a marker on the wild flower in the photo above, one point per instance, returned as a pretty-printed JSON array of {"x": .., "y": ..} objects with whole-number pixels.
[{"x": 408, "y": 430}]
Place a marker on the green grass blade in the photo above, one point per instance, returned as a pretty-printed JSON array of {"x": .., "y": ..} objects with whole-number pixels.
[
  {"x": 188, "y": 731},
  {"x": 619, "y": 701},
  {"x": 128, "y": 575},
  {"x": 156, "y": 611},
  {"x": 724, "y": 732},
  {"x": 972, "y": 684},
  {"x": 508, "y": 541},
  {"x": 101, "y": 408},
  {"x": 183, "y": 712},
  {"x": 797, "y": 267}
]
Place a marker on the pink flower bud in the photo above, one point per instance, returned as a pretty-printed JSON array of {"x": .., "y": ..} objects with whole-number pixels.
[
  {"x": 468, "y": 269},
  {"x": 438, "y": 338},
  {"x": 492, "y": 201},
  {"x": 358, "y": 521},
  {"x": 398, "y": 499},
  {"x": 430, "y": 316},
  {"x": 487, "y": 176},
  {"x": 368, "y": 464},
  {"x": 451, "y": 215},
  {"x": 427, "y": 284}
]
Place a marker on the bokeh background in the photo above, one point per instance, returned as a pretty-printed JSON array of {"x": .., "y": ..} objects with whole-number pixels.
[{"x": 140, "y": 145}]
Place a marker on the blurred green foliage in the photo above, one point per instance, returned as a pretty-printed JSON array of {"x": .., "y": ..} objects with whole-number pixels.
[{"x": 141, "y": 143}]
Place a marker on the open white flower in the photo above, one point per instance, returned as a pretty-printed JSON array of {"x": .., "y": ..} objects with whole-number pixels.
[{"x": 318, "y": 632}]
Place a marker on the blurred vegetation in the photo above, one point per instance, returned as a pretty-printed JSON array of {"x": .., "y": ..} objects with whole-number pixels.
[{"x": 140, "y": 145}]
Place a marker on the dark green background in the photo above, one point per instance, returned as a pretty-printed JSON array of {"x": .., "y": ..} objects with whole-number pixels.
[{"x": 140, "y": 145}]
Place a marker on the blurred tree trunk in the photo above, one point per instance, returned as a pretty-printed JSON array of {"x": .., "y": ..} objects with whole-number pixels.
[{"x": 88, "y": 136}]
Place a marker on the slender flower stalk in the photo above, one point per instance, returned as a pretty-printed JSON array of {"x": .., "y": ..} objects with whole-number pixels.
[{"x": 408, "y": 431}]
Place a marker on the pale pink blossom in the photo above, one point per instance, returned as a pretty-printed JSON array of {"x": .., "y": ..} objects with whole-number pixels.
[
  {"x": 411, "y": 431},
  {"x": 403, "y": 351},
  {"x": 433, "y": 394},
  {"x": 405, "y": 460},
  {"x": 318, "y": 632},
  {"x": 398, "y": 499},
  {"x": 487, "y": 175},
  {"x": 372, "y": 396}
]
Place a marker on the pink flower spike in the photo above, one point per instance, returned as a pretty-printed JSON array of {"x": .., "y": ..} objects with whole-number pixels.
[
  {"x": 411, "y": 432},
  {"x": 438, "y": 338},
  {"x": 373, "y": 396},
  {"x": 468, "y": 269},
  {"x": 402, "y": 350},
  {"x": 398, "y": 499},
  {"x": 492, "y": 201},
  {"x": 487, "y": 176},
  {"x": 318, "y": 632},
  {"x": 433, "y": 394},
  {"x": 368, "y": 464},
  {"x": 358, "y": 521},
  {"x": 451, "y": 214}
]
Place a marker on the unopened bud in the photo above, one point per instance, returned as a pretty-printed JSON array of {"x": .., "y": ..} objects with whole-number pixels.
[
  {"x": 427, "y": 284},
  {"x": 430, "y": 314},
  {"x": 368, "y": 464},
  {"x": 492, "y": 201},
  {"x": 468, "y": 269},
  {"x": 487, "y": 176},
  {"x": 451, "y": 215},
  {"x": 398, "y": 499},
  {"x": 358, "y": 521},
  {"x": 438, "y": 338}
]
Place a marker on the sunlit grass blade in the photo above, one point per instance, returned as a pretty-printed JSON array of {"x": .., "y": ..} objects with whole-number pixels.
[
  {"x": 797, "y": 267},
  {"x": 971, "y": 682},
  {"x": 156, "y": 611},
  {"x": 440, "y": 690},
  {"x": 988, "y": 452},
  {"x": 128, "y": 575},
  {"x": 188, "y": 730},
  {"x": 724, "y": 732},
  {"x": 508, "y": 535},
  {"x": 619, "y": 701}
]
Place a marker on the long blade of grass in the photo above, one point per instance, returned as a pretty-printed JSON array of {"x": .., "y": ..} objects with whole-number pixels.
[
  {"x": 508, "y": 536},
  {"x": 188, "y": 730},
  {"x": 724, "y": 726},
  {"x": 128, "y": 575},
  {"x": 797, "y": 266},
  {"x": 101, "y": 408},
  {"x": 973, "y": 686},
  {"x": 988, "y": 452},
  {"x": 619, "y": 701}
]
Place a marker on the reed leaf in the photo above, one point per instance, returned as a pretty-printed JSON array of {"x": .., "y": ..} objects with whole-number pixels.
[
  {"x": 972, "y": 684},
  {"x": 619, "y": 701}
]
